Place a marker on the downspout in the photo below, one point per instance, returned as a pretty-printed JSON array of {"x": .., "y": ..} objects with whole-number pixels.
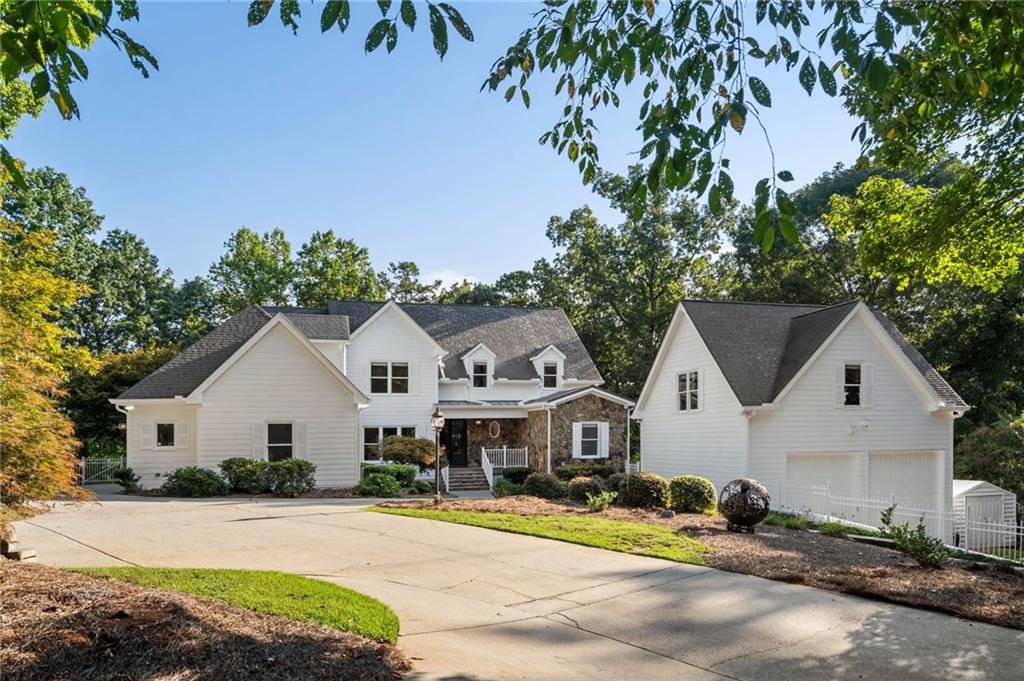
[
  {"x": 548, "y": 410},
  {"x": 629, "y": 457}
]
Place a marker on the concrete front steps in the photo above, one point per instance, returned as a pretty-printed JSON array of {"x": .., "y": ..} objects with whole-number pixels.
[
  {"x": 466, "y": 479},
  {"x": 12, "y": 550}
]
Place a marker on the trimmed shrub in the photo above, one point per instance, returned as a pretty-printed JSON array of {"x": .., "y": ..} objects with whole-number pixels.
[
  {"x": 290, "y": 477},
  {"x": 422, "y": 486},
  {"x": 544, "y": 485},
  {"x": 506, "y": 488},
  {"x": 379, "y": 485},
  {"x": 600, "y": 501},
  {"x": 643, "y": 490},
  {"x": 691, "y": 494},
  {"x": 587, "y": 470},
  {"x": 405, "y": 474},
  {"x": 193, "y": 481},
  {"x": 517, "y": 475},
  {"x": 127, "y": 479},
  {"x": 245, "y": 475},
  {"x": 414, "y": 451},
  {"x": 614, "y": 484},
  {"x": 580, "y": 488}
]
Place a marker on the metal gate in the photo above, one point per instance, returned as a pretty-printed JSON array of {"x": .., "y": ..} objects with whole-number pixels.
[{"x": 100, "y": 470}]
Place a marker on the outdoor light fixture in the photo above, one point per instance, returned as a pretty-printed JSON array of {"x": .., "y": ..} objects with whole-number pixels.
[{"x": 437, "y": 423}]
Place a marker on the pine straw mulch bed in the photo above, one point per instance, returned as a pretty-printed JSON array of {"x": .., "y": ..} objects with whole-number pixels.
[
  {"x": 63, "y": 625},
  {"x": 974, "y": 591}
]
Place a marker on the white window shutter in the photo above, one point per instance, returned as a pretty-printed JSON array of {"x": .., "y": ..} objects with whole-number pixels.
[
  {"x": 147, "y": 436},
  {"x": 259, "y": 434},
  {"x": 414, "y": 378},
  {"x": 867, "y": 388},
  {"x": 840, "y": 392},
  {"x": 577, "y": 439},
  {"x": 182, "y": 435},
  {"x": 300, "y": 441},
  {"x": 602, "y": 443}
]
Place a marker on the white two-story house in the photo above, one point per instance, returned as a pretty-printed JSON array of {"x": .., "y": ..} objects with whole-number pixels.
[
  {"x": 799, "y": 397},
  {"x": 516, "y": 385}
]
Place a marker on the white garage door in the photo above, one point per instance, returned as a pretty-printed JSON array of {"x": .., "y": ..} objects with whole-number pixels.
[
  {"x": 913, "y": 479},
  {"x": 838, "y": 471}
]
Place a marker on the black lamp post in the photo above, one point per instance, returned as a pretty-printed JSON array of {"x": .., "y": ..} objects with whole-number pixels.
[{"x": 437, "y": 423}]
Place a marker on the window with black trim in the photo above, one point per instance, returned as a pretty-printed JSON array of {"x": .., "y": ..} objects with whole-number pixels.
[
  {"x": 480, "y": 377},
  {"x": 852, "y": 382},
  {"x": 389, "y": 377},
  {"x": 689, "y": 391},
  {"x": 550, "y": 374},
  {"x": 165, "y": 435},
  {"x": 279, "y": 441}
]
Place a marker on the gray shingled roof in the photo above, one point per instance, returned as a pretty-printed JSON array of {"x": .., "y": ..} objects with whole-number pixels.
[
  {"x": 760, "y": 347},
  {"x": 513, "y": 334}
]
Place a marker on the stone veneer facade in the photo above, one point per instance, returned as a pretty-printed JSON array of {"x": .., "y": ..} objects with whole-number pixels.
[{"x": 532, "y": 432}]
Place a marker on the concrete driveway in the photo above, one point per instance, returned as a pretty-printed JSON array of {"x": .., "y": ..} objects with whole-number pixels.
[{"x": 479, "y": 604}]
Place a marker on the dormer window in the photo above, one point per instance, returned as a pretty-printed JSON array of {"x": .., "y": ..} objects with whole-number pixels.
[
  {"x": 480, "y": 375},
  {"x": 550, "y": 374}
]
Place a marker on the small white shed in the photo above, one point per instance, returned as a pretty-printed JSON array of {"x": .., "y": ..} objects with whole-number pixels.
[{"x": 986, "y": 514}]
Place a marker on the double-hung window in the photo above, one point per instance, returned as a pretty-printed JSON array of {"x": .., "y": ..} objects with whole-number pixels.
[
  {"x": 389, "y": 377},
  {"x": 689, "y": 391},
  {"x": 279, "y": 441},
  {"x": 550, "y": 374},
  {"x": 480, "y": 375},
  {"x": 852, "y": 383},
  {"x": 165, "y": 435},
  {"x": 374, "y": 436},
  {"x": 590, "y": 439}
]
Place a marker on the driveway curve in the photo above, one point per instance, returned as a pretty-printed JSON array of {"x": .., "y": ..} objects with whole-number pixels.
[{"x": 486, "y": 605}]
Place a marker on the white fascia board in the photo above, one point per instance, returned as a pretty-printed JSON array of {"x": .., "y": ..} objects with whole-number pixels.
[
  {"x": 392, "y": 305},
  {"x": 358, "y": 397},
  {"x": 594, "y": 391},
  {"x": 478, "y": 346},
  {"x": 148, "y": 400},
  {"x": 547, "y": 350}
]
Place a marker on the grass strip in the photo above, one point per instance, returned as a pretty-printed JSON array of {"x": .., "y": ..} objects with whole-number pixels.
[
  {"x": 623, "y": 536},
  {"x": 274, "y": 593}
]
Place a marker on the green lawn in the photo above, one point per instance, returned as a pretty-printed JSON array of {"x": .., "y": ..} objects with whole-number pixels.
[
  {"x": 603, "y": 533},
  {"x": 274, "y": 593}
]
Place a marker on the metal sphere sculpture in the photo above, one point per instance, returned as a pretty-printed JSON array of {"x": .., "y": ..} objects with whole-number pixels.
[{"x": 744, "y": 503}]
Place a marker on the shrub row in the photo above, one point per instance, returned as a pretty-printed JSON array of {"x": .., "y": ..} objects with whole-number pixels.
[
  {"x": 587, "y": 470},
  {"x": 387, "y": 480},
  {"x": 686, "y": 493},
  {"x": 287, "y": 478}
]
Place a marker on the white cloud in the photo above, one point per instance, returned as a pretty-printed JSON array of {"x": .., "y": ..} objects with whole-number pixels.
[{"x": 447, "y": 277}]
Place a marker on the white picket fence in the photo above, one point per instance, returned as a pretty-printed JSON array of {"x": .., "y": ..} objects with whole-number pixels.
[
  {"x": 99, "y": 470},
  {"x": 956, "y": 528}
]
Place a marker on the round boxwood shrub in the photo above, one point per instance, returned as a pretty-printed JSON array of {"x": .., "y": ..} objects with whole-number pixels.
[
  {"x": 643, "y": 490},
  {"x": 580, "y": 487},
  {"x": 422, "y": 486},
  {"x": 516, "y": 475},
  {"x": 379, "y": 485},
  {"x": 193, "y": 481},
  {"x": 544, "y": 485},
  {"x": 290, "y": 477},
  {"x": 614, "y": 484},
  {"x": 245, "y": 475},
  {"x": 691, "y": 494}
]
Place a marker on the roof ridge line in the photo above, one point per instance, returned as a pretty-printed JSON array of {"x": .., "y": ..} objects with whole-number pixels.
[
  {"x": 754, "y": 302},
  {"x": 827, "y": 307}
]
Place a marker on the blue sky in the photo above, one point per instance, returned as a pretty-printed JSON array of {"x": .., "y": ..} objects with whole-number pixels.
[{"x": 399, "y": 152}]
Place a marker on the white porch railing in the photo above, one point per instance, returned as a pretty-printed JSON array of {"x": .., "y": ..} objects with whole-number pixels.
[
  {"x": 444, "y": 478},
  {"x": 485, "y": 463},
  {"x": 956, "y": 528},
  {"x": 100, "y": 470},
  {"x": 507, "y": 457}
]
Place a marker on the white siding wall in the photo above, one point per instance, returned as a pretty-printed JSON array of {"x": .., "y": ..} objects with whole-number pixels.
[
  {"x": 278, "y": 380},
  {"x": 334, "y": 351},
  {"x": 807, "y": 420},
  {"x": 711, "y": 442},
  {"x": 390, "y": 338},
  {"x": 150, "y": 463}
]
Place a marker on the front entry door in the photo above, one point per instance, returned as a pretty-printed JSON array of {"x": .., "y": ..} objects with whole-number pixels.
[{"x": 453, "y": 437}]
